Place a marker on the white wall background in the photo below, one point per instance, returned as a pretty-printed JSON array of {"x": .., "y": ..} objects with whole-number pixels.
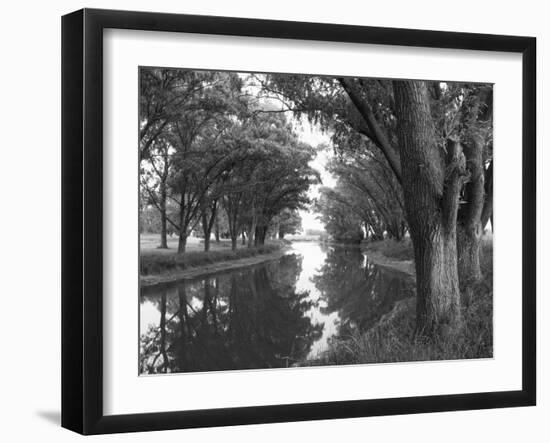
[{"x": 30, "y": 223}]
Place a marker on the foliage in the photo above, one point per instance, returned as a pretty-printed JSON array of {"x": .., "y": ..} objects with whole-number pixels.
[
  {"x": 342, "y": 224},
  {"x": 288, "y": 221},
  {"x": 205, "y": 146}
]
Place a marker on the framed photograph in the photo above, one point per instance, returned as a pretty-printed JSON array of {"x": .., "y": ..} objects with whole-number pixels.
[{"x": 269, "y": 221}]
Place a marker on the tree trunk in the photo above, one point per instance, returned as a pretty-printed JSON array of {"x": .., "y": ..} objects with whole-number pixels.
[
  {"x": 256, "y": 236},
  {"x": 438, "y": 292},
  {"x": 233, "y": 242},
  {"x": 206, "y": 230},
  {"x": 431, "y": 187},
  {"x": 182, "y": 226},
  {"x": 469, "y": 224},
  {"x": 261, "y": 232},
  {"x": 468, "y": 242},
  {"x": 162, "y": 205},
  {"x": 252, "y": 233},
  {"x": 217, "y": 229},
  {"x": 243, "y": 238},
  {"x": 281, "y": 234},
  {"x": 208, "y": 218},
  {"x": 182, "y": 242}
]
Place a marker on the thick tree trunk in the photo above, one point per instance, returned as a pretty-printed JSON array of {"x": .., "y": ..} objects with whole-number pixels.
[
  {"x": 207, "y": 231},
  {"x": 261, "y": 233},
  {"x": 281, "y": 234},
  {"x": 182, "y": 242},
  {"x": 233, "y": 242},
  {"x": 243, "y": 238},
  {"x": 438, "y": 292},
  {"x": 431, "y": 187}
]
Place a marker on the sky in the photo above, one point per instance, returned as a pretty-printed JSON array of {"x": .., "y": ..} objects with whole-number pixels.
[{"x": 312, "y": 135}]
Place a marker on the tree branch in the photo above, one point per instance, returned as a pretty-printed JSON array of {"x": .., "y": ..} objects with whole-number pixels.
[{"x": 376, "y": 134}]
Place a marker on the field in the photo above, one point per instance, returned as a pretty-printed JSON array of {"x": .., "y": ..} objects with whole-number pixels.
[
  {"x": 149, "y": 244},
  {"x": 155, "y": 261}
]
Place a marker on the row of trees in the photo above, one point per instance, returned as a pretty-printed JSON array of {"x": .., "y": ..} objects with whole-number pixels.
[
  {"x": 366, "y": 201},
  {"x": 413, "y": 155},
  {"x": 210, "y": 157}
]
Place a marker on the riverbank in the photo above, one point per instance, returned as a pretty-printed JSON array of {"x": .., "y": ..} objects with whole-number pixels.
[
  {"x": 391, "y": 254},
  {"x": 162, "y": 267},
  {"x": 393, "y": 338}
]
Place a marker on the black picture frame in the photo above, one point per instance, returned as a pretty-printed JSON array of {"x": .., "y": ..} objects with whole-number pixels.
[{"x": 82, "y": 218}]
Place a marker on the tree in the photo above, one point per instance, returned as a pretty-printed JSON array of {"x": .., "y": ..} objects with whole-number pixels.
[
  {"x": 444, "y": 117},
  {"x": 343, "y": 224},
  {"x": 475, "y": 131},
  {"x": 271, "y": 174},
  {"x": 154, "y": 182},
  {"x": 201, "y": 158},
  {"x": 163, "y": 94},
  {"x": 286, "y": 222},
  {"x": 432, "y": 181},
  {"x": 368, "y": 187}
]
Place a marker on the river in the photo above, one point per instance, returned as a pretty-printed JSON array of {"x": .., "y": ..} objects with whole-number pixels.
[{"x": 275, "y": 314}]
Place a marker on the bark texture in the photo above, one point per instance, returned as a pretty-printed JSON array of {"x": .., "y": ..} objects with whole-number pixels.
[
  {"x": 162, "y": 207},
  {"x": 432, "y": 180},
  {"x": 469, "y": 225}
]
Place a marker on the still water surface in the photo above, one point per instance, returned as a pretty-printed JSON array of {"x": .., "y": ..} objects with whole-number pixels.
[{"x": 275, "y": 314}]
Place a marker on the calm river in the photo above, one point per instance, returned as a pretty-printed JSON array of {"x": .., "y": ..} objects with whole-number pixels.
[{"x": 275, "y": 314}]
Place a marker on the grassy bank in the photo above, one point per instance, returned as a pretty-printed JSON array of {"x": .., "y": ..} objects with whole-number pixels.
[
  {"x": 154, "y": 263},
  {"x": 392, "y": 249},
  {"x": 393, "y": 338}
]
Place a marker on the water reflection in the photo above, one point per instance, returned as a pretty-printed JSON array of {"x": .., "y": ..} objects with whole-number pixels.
[
  {"x": 252, "y": 318},
  {"x": 272, "y": 315},
  {"x": 358, "y": 290}
]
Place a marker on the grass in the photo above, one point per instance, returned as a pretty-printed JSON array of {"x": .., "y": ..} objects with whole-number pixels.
[
  {"x": 393, "y": 339},
  {"x": 159, "y": 262},
  {"x": 395, "y": 250},
  {"x": 149, "y": 243}
]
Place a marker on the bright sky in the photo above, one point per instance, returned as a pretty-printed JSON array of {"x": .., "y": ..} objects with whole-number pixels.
[{"x": 313, "y": 136}]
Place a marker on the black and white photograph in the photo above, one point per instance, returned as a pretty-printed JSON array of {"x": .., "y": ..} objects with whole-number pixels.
[
  {"x": 241, "y": 221},
  {"x": 297, "y": 220}
]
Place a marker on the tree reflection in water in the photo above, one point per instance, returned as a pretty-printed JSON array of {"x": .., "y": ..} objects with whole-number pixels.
[
  {"x": 246, "y": 319},
  {"x": 358, "y": 290}
]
